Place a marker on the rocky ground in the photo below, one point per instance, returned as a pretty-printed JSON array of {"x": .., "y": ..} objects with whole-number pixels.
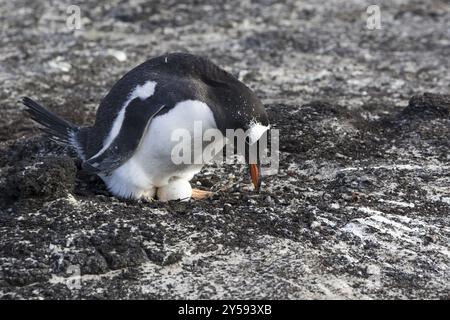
[{"x": 360, "y": 205}]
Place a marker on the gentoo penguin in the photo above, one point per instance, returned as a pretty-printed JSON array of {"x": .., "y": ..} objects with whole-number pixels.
[{"x": 130, "y": 144}]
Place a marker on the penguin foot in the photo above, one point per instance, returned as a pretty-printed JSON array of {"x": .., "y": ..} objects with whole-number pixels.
[
  {"x": 145, "y": 195},
  {"x": 198, "y": 194}
]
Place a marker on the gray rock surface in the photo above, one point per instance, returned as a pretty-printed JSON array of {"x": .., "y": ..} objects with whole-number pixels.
[{"x": 359, "y": 208}]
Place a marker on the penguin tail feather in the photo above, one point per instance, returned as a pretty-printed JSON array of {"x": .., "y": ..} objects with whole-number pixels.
[{"x": 59, "y": 129}]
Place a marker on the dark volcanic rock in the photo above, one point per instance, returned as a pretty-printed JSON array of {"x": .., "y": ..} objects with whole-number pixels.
[
  {"x": 48, "y": 178},
  {"x": 359, "y": 207},
  {"x": 429, "y": 105}
]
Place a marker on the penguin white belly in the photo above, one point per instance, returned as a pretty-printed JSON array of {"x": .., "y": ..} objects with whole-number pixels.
[{"x": 151, "y": 169}]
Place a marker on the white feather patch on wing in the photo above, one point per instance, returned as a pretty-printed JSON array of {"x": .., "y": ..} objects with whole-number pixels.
[{"x": 142, "y": 92}]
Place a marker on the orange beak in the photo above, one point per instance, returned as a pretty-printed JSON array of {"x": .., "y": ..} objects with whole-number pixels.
[{"x": 254, "y": 173}]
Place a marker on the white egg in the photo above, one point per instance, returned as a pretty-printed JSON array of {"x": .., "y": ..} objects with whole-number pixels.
[{"x": 175, "y": 190}]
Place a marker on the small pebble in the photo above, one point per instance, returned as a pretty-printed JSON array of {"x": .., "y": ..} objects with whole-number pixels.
[{"x": 315, "y": 224}]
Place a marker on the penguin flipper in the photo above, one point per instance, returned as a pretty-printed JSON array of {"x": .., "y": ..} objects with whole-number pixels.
[{"x": 138, "y": 116}]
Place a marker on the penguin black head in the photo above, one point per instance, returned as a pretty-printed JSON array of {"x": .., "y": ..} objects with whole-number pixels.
[
  {"x": 235, "y": 106},
  {"x": 246, "y": 112}
]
